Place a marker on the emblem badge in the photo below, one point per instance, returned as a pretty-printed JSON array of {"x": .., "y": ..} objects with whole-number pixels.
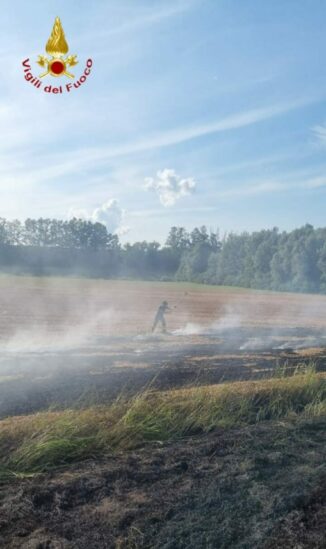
[
  {"x": 57, "y": 47},
  {"x": 57, "y": 63}
]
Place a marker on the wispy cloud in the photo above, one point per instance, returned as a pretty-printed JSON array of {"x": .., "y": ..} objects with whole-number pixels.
[
  {"x": 232, "y": 122},
  {"x": 75, "y": 161},
  {"x": 315, "y": 183},
  {"x": 184, "y": 134},
  {"x": 272, "y": 186},
  {"x": 320, "y": 133},
  {"x": 149, "y": 17},
  {"x": 265, "y": 187}
]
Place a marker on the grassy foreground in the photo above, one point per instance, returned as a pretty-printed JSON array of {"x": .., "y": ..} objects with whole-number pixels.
[{"x": 47, "y": 440}]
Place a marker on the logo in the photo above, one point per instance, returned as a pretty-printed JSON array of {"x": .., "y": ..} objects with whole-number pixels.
[
  {"x": 57, "y": 47},
  {"x": 57, "y": 65}
]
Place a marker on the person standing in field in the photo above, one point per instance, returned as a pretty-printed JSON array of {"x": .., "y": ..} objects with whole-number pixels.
[{"x": 159, "y": 317}]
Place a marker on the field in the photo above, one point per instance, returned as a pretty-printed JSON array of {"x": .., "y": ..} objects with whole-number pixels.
[{"x": 212, "y": 435}]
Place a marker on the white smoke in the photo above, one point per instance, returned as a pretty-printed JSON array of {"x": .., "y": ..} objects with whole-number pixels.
[
  {"x": 255, "y": 344},
  {"x": 229, "y": 319},
  {"x": 109, "y": 214},
  {"x": 191, "y": 329},
  {"x": 45, "y": 340},
  {"x": 169, "y": 186}
]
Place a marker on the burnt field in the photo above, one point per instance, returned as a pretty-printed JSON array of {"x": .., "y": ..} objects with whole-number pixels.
[
  {"x": 76, "y": 342},
  {"x": 68, "y": 346},
  {"x": 101, "y": 371}
]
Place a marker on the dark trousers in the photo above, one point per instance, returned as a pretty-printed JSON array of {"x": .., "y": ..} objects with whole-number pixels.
[{"x": 159, "y": 319}]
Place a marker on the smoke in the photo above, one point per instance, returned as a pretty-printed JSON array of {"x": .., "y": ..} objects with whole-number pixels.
[
  {"x": 169, "y": 186},
  {"x": 73, "y": 340},
  {"x": 48, "y": 318},
  {"x": 300, "y": 343},
  {"x": 244, "y": 326},
  {"x": 256, "y": 344},
  {"x": 109, "y": 214},
  {"x": 190, "y": 329},
  {"x": 230, "y": 318},
  {"x": 43, "y": 339}
]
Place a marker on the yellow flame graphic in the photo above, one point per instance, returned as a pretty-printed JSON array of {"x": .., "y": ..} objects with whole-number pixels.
[{"x": 57, "y": 44}]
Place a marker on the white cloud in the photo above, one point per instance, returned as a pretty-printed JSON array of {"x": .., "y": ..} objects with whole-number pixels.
[
  {"x": 109, "y": 214},
  {"x": 169, "y": 186}
]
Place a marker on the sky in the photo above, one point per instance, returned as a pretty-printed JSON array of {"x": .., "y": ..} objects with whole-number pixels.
[{"x": 195, "y": 112}]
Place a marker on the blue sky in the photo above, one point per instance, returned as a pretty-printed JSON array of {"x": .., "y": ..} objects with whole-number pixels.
[{"x": 196, "y": 112}]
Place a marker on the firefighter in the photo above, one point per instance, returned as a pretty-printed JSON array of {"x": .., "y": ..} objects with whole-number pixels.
[{"x": 159, "y": 317}]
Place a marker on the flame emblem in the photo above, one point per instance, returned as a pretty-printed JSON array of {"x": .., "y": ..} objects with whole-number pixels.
[{"x": 57, "y": 47}]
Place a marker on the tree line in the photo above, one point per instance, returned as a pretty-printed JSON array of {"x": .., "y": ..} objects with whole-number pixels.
[{"x": 266, "y": 259}]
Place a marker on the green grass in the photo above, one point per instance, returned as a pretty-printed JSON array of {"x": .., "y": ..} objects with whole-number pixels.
[{"x": 48, "y": 440}]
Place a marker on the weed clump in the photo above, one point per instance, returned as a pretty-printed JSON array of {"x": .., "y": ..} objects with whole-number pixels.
[{"x": 47, "y": 440}]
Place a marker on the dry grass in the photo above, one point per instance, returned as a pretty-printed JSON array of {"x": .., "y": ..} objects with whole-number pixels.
[{"x": 50, "y": 439}]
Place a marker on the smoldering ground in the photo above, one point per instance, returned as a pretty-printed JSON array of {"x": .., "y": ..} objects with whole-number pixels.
[{"x": 74, "y": 342}]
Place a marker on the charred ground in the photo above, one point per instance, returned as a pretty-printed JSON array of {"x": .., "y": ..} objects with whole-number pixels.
[
  {"x": 103, "y": 370},
  {"x": 74, "y": 343}
]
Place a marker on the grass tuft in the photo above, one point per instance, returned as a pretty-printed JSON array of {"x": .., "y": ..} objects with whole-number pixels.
[{"x": 46, "y": 440}]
